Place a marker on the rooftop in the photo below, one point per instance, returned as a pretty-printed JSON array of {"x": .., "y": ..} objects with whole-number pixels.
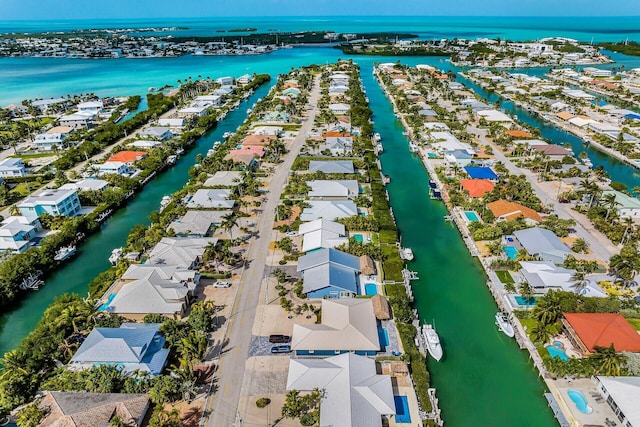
[{"x": 603, "y": 330}]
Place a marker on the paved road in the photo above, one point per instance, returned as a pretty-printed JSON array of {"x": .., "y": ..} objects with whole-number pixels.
[
  {"x": 228, "y": 382},
  {"x": 599, "y": 244}
]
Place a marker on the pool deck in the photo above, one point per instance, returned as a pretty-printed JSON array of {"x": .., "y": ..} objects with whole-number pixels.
[{"x": 601, "y": 410}]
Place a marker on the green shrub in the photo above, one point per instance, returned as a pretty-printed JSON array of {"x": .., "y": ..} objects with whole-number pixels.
[{"x": 262, "y": 402}]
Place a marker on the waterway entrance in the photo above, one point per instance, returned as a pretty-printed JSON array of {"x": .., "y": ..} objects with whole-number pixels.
[{"x": 484, "y": 379}]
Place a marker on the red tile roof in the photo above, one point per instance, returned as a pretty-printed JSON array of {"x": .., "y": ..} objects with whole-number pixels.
[
  {"x": 477, "y": 187},
  {"x": 519, "y": 134},
  {"x": 127, "y": 156},
  {"x": 511, "y": 210},
  {"x": 604, "y": 329}
]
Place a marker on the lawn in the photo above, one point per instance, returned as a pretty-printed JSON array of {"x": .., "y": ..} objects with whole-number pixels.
[
  {"x": 393, "y": 265},
  {"x": 504, "y": 277},
  {"x": 634, "y": 322}
]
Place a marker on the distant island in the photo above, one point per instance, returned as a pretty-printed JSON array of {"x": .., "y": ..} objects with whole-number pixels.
[{"x": 627, "y": 48}]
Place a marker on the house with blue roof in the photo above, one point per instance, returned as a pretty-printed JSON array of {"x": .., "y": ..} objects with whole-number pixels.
[
  {"x": 131, "y": 347},
  {"x": 330, "y": 273},
  {"x": 479, "y": 172}
]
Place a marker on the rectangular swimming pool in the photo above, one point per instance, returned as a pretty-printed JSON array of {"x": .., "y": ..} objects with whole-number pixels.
[
  {"x": 358, "y": 238},
  {"x": 525, "y": 302},
  {"x": 511, "y": 251},
  {"x": 383, "y": 337},
  {"x": 472, "y": 216},
  {"x": 403, "y": 416},
  {"x": 370, "y": 289}
]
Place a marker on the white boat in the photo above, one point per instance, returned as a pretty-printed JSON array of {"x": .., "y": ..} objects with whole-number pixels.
[
  {"x": 115, "y": 254},
  {"x": 432, "y": 341},
  {"x": 504, "y": 324},
  {"x": 227, "y": 135},
  {"x": 165, "y": 202},
  {"x": 406, "y": 254},
  {"x": 179, "y": 151},
  {"x": 64, "y": 253},
  {"x": 413, "y": 147},
  {"x": 377, "y": 137},
  {"x": 249, "y": 111},
  {"x": 171, "y": 160}
]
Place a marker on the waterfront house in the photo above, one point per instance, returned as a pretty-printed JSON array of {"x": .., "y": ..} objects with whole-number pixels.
[
  {"x": 443, "y": 141},
  {"x": 211, "y": 100},
  {"x": 543, "y": 276},
  {"x": 621, "y": 394},
  {"x": 328, "y": 209},
  {"x": 505, "y": 210},
  {"x": 84, "y": 409},
  {"x": 258, "y": 140},
  {"x": 12, "y": 166},
  {"x": 627, "y": 206},
  {"x": 329, "y": 273},
  {"x": 586, "y": 331},
  {"x": 477, "y": 187},
  {"x": 86, "y": 185},
  {"x": 224, "y": 179},
  {"x": 198, "y": 223},
  {"x": 184, "y": 252},
  {"x": 174, "y": 273},
  {"x": 51, "y": 201},
  {"x": 128, "y": 157},
  {"x": 157, "y": 132},
  {"x": 44, "y": 104},
  {"x": 348, "y": 325},
  {"x": 118, "y": 168},
  {"x": 246, "y": 155},
  {"x": 543, "y": 243},
  {"x": 339, "y": 109},
  {"x": 81, "y": 119},
  {"x": 244, "y": 79},
  {"x": 46, "y": 141},
  {"x": 479, "y": 172},
  {"x": 474, "y": 104},
  {"x": 177, "y": 122},
  {"x": 321, "y": 233},
  {"x": 91, "y": 106},
  {"x": 333, "y": 189},
  {"x": 267, "y": 130},
  {"x": 331, "y": 166},
  {"x": 354, "y": 395},
  {"x": 494, "y": 116},
  {"x": 150, "y": 294},
  {"x": 337, "y": 145},
  {"x": 460, "y": 158},
  {"x": 15, "y": 233},
  {"x": 225, "y": 81},
  {"x": 211, "y": 199},
  {"x": 131, "y": 347},
  {"x": 145, "y": 144}
]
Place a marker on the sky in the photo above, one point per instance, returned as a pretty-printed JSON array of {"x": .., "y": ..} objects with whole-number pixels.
[{"x": 134, "y": 9}]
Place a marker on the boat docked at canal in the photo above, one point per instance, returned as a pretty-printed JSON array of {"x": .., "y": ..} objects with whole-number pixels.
[
  {"x": 115, "y": 255},
  {"x": 432, "y": 341},
  {"x": 164, "y": 202},
  {"x": 406, "y": 254},
  {"x": 64, "y": 253},
  {"x": 502, "y": 320},
  {"x": 377, "y": 137}
]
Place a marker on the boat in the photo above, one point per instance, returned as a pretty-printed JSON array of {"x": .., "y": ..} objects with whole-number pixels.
[
  {"x": 227, "y": 135},
  {"x": 179, "y": 151},
  {"x": 152, "y": 89},
  {"x": 165, "y": 202},
  {"x": 413, "y": 147},
  {"x": 406, "y": 254},
  {"x": 64, "y": 253},
  {"x": 249, "y": 111},
  {"x": 432, "y": 184},
  {"x": 386, "y": 179},
  {"x": 377, "y": 137},
  {"x": 115, "y": 254},
  {"x": 432, "y": 341},
  {"x": 32, "y": 282},
  {"x": 502, "y": 320},
  {"x": 171, "y": 160}
]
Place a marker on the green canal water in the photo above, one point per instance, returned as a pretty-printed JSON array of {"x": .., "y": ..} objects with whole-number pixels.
[
  {"x": 484, "y": 379},
  {"x": 92, "y": 257}
]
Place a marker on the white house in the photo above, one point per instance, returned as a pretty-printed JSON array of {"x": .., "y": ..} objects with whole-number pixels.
[
  {"x": 46, "y": 141},
  {"x": 322, "y": 233},
  {"x": 339, "y": 109},
  {"x": 86, "y": 185},
  {"x": 12, "y": 166},
  {"x": 158, "y": 132},
  {"x": 333, "y": 189},
  {"x": 210, "y": 199},
  {"x": 118, "y": 168},
  {"x": 51, "y": 201},
  {"x": 92, "y": 106},
  {"x": 627, "y": 207},
  {"x": 172, "y": 123},
  {"x": 225, "y": 81},
  {"x": 330, "y": 210},
  {"x": 15, "y": 233},
  {"x": 338, "y": 145},
  {"x": 78, "y": 120}
]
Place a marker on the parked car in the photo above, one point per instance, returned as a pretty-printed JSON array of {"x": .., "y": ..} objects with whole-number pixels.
[
  {"x": 222, "y": 285},
  {"x": 291, "y": 233},
  {"x": 279, "y": 339},
  {"x": 281, "y": 349}
]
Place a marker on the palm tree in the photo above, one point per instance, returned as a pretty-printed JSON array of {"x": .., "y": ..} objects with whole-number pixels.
[
  {"x": 548, "y": 309},
  {"x": 607, "y": 361},
  {"x": 579, "y": 282},
  {"x": 610, "y": 202},
  {"x": 541, "y": 332},
  {"x": 625, "y": 265},
  {"x": 229, "y": 221},
  {"x": 12, "y": 363},
  {"x": 580, "y": 246},
  {"x": 525, "y": 290}
]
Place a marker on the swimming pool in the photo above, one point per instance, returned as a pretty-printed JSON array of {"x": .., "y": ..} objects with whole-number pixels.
[
  {"x": 580, "y": 401},
  {"x": 402, "y": 410},
  {"x": 472, "y": 216},
  {"x": 511, "y": 251},
  {"x": 104, "y": 306},
  {"x": 362, "y": 213},
  {"x": 383, "y": 337},
  {"x": 525, "y": 302},
  {"x": 358, "y": 238},
  {"x": 370, "y": 289},
  {"x": 557, "y": 351},
  {"x": 432, "y": 155}
]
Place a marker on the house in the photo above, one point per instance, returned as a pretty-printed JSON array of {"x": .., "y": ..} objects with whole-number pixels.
[
  {"x": 329, "y": 273},
  {"x": 354, "y": 395},
  {"x": 224, "y": 179},
  {"x": 621, "y": 394},
  {"x": 15, "y": 233},
  {"x": 83, "y": 409},
  {"x": 477, "y": 187},
  {"x": 586, "y": 331},
  {"x": 157, "y": 132},
  {"x": 46, "y": 141},
  {"x": 461, "y": 158},
  {"x": 128, "y": 157},
  {"x": 339, "y": 109},
  {"x": 292, "y": 92},
  {"x": 225, "y": 81},
  {"x": 184, "y": 252},
  {"x": 211, "y": 199},
  {"x": 494, "y": 116},
  {"x": 51, "y": 201},
  {"x": 211, "y": 100},
  {"x": 627, "y": 206},
  {"x": 508, "y": 211},
  {"x": 478, "y": 172},
  {"x": 348, "y": 325},
  {"x": 258, "y": 140},
  {"x": 443, "y": 141},
  {"x": 44, "y": 104},
  {"x": 331, "y": 210},
  {"x": 172, "y": 122},
  {"x": 552, "y": 151},
  {"x": 338, "y": 145},
  {"x": 150, "y": 294},
  {"x": 321, "y": 233},
  {"x": 118, "y": 168},
  {"x": 92, "y": 106},
  {"x": 333, "y": 189},
  {"x": 86, "y": 185},
  {"x": 251, "y": 151},
  {"x": 268, "y": 130},
  {"x": 12, "y": 166},
  {"x": 543, "y": 276},
  {"x": 81, "y": 119},
  {"x": 543, "y": 243},
  {"x": 174, "y": 273},
  {"x": 198, "y": 223},
  {"x": 331, "y": 166},
  {"x": 131, "y": 347},
  {"x": 146, "y": 144},
  {"x": 244, "y": 79}
]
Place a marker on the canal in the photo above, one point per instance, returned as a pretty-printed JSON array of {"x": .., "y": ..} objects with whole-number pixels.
[
  {"x": 484, "y": 379},
  {"x": 18, "y": 320}
]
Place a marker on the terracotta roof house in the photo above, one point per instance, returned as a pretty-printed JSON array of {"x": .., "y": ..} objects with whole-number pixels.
[
  {"x": 519, "y": 133},
  {"x": 564, "y": 115},
  {"x": 258, "y": 140},
  {"x": 508, "y": 211},
  {"x": 128, "y": 157},
  {"x": 588, "y": 330},
  {"x": 81, "y": 409},
  {"x": 477, "y": 187}
]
